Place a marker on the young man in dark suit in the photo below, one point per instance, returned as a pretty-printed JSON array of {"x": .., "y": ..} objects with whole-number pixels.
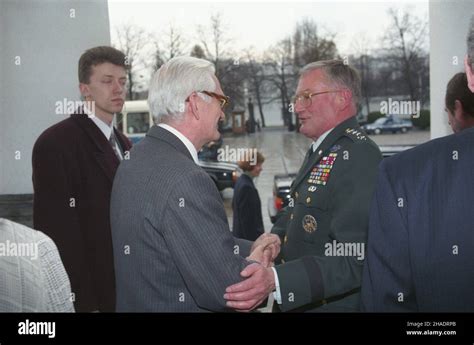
[{"x": 74, "y": 164}]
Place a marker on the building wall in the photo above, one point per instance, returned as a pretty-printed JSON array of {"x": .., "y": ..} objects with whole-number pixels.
[
  {"x": 449, "y": 21},
  {"x": 40, "y": 44}
]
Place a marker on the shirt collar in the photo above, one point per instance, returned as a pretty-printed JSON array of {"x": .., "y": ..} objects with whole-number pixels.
[
  {"x": 104, "y": 127},
  {"x": 318, "y": 141},
  {"x": 189, "y": 145}
]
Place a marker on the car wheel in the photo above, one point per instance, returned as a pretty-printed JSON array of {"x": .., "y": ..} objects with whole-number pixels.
[
  {"x": 377, "y": 131},
  {"x": 404, "y": 129}
]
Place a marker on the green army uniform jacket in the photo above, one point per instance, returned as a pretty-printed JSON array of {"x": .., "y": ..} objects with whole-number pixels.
[{"x": 324, "y": 228}]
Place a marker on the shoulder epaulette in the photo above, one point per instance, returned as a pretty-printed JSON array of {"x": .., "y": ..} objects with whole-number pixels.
[{"x": 355, "y": 134}]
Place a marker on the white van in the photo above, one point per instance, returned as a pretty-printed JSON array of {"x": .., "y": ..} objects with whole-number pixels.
[{"x": 135, "y": 120}]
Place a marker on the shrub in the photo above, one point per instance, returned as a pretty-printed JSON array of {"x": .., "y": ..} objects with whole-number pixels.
[
  {"x": 374, "y": 115},
  {"x": 423, "y": 122}
]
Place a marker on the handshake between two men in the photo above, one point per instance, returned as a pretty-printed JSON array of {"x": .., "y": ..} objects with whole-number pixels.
[{"x": 259, "y": 276}]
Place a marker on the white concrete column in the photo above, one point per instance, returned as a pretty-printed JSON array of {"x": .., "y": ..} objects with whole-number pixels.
[
  {"x": 40, "y": 44},
  {"x": 449, "y": 21}
]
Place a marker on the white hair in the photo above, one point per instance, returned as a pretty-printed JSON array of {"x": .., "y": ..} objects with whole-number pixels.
[{"x": 174, "y": 82}]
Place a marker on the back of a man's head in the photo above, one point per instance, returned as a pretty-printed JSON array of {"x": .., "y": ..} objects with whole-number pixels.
[
  {"x": 457, "y": 90},
  {"x": 174, "y": 82}
]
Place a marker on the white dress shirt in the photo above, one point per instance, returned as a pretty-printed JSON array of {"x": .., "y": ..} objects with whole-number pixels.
[
  {"x": 318, "y": 141},
  {"x": 107, "y": 130},
  {"x": 189, "y": 145},
  {"x": 277, "y": 292}
]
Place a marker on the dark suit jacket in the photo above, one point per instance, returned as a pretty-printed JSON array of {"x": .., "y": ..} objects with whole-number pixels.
[
  {"x": 73, "y": 169},
  {"x": 173, "y": 248},
  {"x": 247, "y": 218},
  {"x": 421, "y": 233}
]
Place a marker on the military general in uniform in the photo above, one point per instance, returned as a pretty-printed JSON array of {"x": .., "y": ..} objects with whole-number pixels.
[{"x": 324, "y": 228}]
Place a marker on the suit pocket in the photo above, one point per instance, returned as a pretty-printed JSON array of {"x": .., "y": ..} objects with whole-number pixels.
[{"x": 312, "y": 216}]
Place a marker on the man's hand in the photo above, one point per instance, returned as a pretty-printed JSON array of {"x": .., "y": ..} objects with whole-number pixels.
[
  {"x": 263, "y": 255},
  {"x": 267, "y": 242},
  {"x": 250, "y": 293}
]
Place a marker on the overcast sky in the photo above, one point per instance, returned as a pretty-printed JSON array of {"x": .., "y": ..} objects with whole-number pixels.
[{"x": 262, "y": 23}]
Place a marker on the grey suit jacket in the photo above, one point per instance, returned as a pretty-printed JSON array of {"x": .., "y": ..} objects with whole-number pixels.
[{"x": 173, "y": 249}]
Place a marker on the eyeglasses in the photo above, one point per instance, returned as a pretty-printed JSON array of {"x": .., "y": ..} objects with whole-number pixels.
[
  {"x": 223, "y": 100},
  {"x": 305, "y": 98}
]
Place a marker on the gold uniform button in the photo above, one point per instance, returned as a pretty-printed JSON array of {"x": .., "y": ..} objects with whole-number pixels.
[
  {"x": 308, "y": 200},
  {"x": 285, "y": 239},
  {"x": 291, "y": 216},
  {"x": 296, "y": 194}
]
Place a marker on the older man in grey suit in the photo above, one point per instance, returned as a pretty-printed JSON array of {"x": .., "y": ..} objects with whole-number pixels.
[{"x": 173, "y": 249}]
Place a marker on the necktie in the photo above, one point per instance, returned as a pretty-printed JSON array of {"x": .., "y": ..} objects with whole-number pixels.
[{"x": 113, "y": 143}]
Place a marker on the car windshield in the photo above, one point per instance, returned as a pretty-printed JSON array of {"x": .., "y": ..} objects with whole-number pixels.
[{"x": 380, "y": 121}]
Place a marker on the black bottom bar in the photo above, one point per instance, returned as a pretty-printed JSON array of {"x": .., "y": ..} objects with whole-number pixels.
[{"x": 237, "y": 328}]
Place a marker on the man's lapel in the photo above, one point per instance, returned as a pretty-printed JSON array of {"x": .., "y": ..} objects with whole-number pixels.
[{"x": 103, "y": 153}]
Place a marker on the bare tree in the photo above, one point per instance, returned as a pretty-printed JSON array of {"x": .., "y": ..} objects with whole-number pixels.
[
  {"x": 198, "y": 52},
  {"x": 363, "y": 64},
  {"x": 310, "y": 46},
  {"x": 167, "y": 45},
  {"x": 280, "y": 66},
  {"x": 405, "y": 40},
  {"x": 257, "y": 80},
  {"x": 284, "y": 61},
  {"x": 215, "y": 41},
  {"x": 131, "y": 40},
  {"x": 231, "y": 73}
]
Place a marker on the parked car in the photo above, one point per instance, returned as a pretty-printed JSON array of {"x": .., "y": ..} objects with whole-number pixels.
[
  {"x": 388, "y": 123},
  {"x": 135, "y": 120},
  {"x": 281, "y": 194},
  {"x": 282, "y": 183},
  {"x": 210, "y": 151},
  {"x": 224, "y": 174}
]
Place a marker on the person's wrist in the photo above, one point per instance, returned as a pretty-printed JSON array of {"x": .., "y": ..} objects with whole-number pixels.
[{"x": 272, "y": 279}]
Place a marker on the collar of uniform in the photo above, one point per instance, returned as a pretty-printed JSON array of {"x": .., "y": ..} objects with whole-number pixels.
[
  {"x": 104, "y": 127},
  {"x": 318, "y": 141},
  {"x": 189, "y": 145},
  {"x": 336, "y": 132}
]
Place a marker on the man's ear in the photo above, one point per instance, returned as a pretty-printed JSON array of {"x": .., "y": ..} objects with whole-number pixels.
[
  {"x": 84, "y": 89},
  {"x": 469, "y": 74},
  {"x": 344, "y": 99},
  {"x": 458, "y": 111},
  {"x": 194, "y": 106}
]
